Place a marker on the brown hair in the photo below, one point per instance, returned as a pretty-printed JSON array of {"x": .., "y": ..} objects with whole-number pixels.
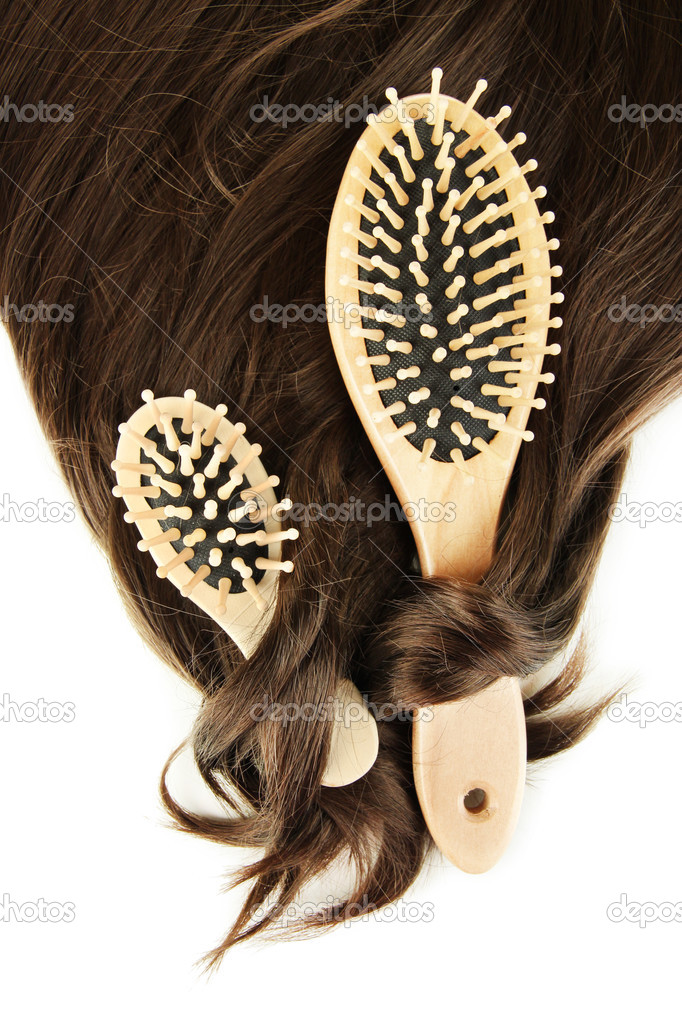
[{"x": 162, "y": 212}]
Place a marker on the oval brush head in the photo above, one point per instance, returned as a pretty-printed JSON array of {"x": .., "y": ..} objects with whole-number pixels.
[
  {"x": 439, "y": 278},
  {"x": 207, "y": 513},
  {"x": 438, "y": 255}
]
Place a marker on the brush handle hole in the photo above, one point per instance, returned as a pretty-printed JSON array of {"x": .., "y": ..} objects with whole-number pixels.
[{"x": 476, "y": 801}]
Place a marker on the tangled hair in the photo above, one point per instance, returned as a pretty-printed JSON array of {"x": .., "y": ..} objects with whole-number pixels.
[{"x": 162, "y": 212}]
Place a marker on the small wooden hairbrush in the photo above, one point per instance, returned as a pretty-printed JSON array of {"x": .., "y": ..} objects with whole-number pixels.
[
  {"x": 438, "y": 257},
  {"x": 208, "y": 515}
]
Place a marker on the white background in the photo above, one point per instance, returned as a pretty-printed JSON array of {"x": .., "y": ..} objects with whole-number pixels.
[{"x": 82, "y": 822}]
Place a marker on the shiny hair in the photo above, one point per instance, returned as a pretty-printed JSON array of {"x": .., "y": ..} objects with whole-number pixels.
[{"x": 169, "y": 206}]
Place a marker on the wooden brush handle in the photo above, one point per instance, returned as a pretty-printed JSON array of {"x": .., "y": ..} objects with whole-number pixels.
[
  {"x": 469, "y": 756},
  {"x": 469, "y": 761}
]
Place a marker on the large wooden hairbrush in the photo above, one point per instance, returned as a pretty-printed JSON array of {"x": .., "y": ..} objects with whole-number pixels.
[
  {"x": 438, "y": 256},
  {"x": 206, "y": 510}
]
